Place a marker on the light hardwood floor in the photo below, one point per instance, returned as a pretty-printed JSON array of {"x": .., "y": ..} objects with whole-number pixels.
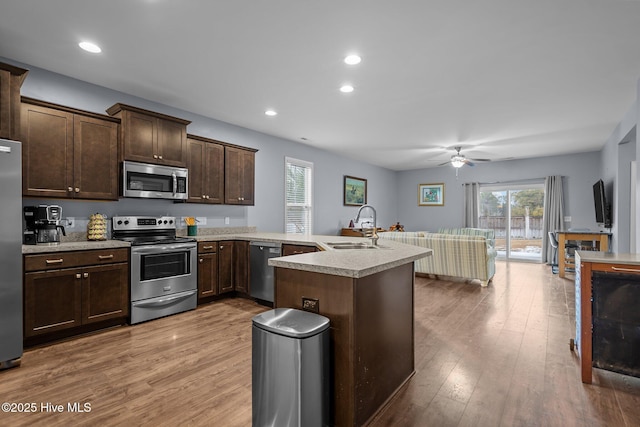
[{"x": 495, "y": 356}]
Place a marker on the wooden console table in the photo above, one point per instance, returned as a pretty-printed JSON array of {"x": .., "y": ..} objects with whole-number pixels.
[
  {"x": 601, "y": 239},
  {"x": 588, "y": 262}
]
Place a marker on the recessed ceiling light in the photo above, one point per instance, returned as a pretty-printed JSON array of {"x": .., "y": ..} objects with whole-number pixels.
[
  {"x": 352, "y": 59},
  {"x": 90, "y": 47},
  {"x": 346, "y": 89},
  {"x": 271, "y": 113}
]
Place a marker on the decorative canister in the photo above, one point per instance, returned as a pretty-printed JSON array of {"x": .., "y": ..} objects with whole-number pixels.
[{"x": 97, "y": 227}]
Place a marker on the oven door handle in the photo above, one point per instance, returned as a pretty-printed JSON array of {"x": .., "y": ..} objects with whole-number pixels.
[
  {"x": 164, "y": 301},
  {"x": 157, "y": 249}
]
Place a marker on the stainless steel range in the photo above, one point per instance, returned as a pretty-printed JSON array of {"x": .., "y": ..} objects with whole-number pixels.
[{"x": 163, "y": 266}]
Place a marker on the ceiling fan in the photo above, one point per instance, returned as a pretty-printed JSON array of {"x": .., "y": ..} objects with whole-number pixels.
[{"x": 458, "y": 160}]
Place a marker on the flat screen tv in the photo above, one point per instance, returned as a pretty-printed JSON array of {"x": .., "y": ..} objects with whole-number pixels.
[{"x": 603, "y": 210}]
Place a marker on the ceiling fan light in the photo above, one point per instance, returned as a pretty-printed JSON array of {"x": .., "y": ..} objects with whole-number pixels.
[{"x": 457, "y": 161}]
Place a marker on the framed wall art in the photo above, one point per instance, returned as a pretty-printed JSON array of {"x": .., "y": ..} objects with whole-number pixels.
[
  {"x": 355, "y": 191},
  {"x": 430, "y": 194}
]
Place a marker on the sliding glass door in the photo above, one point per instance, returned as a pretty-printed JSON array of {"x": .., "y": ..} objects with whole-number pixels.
[{"x": 514, "y": 212}]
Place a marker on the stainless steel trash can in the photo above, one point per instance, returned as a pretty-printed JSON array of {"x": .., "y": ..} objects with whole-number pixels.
[{"x": 290, "y": 369}]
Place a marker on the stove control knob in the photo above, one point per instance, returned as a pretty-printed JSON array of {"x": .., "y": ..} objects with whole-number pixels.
[
  {"x": 119, "y": 222},
  {"x": 126, "y": 222},
  {"x": 159, "y": 221},
  {"x": 170, "y": 221},
  {"x": 165, "y": 221}
]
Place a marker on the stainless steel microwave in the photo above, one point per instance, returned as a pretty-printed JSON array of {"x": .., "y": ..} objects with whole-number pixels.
[{"x": 154, "y": 181}]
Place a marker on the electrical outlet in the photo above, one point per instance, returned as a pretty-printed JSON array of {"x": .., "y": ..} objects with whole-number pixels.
[
  {"x": 567, "y": 219},
  {"x": 71, "y": 222},
  {"x": 226, "y": 220},
  {"x": 311, "y": 304},
  {"x": 201, "y": 220}
]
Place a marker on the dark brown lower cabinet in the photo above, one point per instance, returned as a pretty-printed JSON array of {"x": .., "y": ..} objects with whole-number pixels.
[
  {"x": 225, "y": 266},
  {"x": 207, "y": 269},
  {"x": 241, "y": 266},
  {"x": 59, "y": 299},
  {"x": 233, "y": 266}
]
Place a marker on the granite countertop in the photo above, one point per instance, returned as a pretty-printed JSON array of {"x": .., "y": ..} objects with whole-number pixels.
[
  {"x": 609, "y": 258},
  {"x": 74, "y": 246},
  {"x": 353, "y": 263}
]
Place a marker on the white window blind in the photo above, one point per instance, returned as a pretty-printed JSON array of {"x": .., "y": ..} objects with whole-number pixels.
[{"x": 298, "y": 196}]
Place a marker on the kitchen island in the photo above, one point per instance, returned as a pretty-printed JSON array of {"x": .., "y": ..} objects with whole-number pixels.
[{"x": 368, "y": 296}]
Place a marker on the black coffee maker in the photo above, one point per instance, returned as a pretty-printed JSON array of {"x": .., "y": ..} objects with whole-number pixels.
[{"x": 42, "y": 225}]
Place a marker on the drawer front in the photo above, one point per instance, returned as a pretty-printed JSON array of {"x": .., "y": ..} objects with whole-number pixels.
[
  {"x": 616, "y": 268},
  {"x": 207, "y": 247},
  {"x": 288, "y": 249},
  {"x": 57, "y": 260}
]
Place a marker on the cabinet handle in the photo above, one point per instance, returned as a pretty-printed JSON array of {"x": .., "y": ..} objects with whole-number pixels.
[
  {"x": 70, "y": 189},
  {"x": 160, "y": 157},
  {"x": 155, "y": 156},
  {"x": 204, "y": 197},
  {"x": 78, "y": 276},
  {"x": 85, "y": 275},
  {"x": 54, "y": 261},
  {"x": 221, "y": 247},
  {"x": 201, "y": 260},
  {"x": 207, "y": 247},
  {"x": 631, "y": 270},
  {"x": 207, "y": 197},
  {"x": 105, "y": 256},
  {"x": 77, "y": 190}
]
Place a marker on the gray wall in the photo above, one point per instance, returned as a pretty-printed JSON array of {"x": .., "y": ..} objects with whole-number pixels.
[
  {"x": 615, "y": 169},
  {"x": 579, "y": 171},
  {"x": 268, "y": 212},
  {"x": 394, "y": 194}
]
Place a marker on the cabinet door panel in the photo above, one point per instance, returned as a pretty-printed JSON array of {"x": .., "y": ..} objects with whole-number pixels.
[
  {"x": 140, "y": 137},
  {"x": 241, "y": 266},
  {"x": 95, "y": 158},
  {"x": 51, "y": 301},
  {"x": 47, "y": 151},
  {"x": 105, "y": 292},
  {"x": 195, "y": 164},
  {"x": 225, "y": 266},
  {"x": 172, "y": 143},
  {"x": 214, "y": 167},
  {"x": 207, "y": 275},
  {"x": 239, "y": 176}
]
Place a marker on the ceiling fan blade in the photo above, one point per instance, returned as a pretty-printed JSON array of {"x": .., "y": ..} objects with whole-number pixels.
[
  {"x": 469, "y": 163},
  {"x": 448, "y": 162},
  {"x": 481, "y": 160}
]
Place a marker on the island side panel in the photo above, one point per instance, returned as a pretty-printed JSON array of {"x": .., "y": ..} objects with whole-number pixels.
[
  {"x": 384, "y": 338},
  {"x": 335, "y": 296}
]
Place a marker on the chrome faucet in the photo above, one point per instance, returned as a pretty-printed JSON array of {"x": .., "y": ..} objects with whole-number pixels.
[{"x": 374, "y": 237}]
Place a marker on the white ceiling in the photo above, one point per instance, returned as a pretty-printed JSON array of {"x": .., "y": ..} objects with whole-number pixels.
[{"x": 502, "y": 78}]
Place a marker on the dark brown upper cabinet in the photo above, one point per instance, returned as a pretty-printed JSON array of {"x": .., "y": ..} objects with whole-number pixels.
[
  {"x": 205, "y": 161},
  {"x": 68, "y": 153},
  {"x": 150, "y": 137},
  {"x": 239, "y": 176},
  {"x": 11, "y": 79}
]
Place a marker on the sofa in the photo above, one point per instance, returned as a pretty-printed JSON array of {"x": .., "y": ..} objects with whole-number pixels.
[{"x": 458, "y": 252}]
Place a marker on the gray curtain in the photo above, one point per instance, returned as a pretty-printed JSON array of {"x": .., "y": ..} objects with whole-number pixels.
[
  {"x": 471, "y": 209},
  {"x": 553, "y": 217}
]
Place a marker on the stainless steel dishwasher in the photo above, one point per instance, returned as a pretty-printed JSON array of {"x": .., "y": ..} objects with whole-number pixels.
[{"x": 262, "y": 275}]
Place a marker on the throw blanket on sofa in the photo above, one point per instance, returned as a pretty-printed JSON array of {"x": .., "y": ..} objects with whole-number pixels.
[{"x": 457, "y": 255}]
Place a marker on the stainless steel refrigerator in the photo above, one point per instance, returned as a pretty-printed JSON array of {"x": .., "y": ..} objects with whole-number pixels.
[{"x": 10, "y": 253}]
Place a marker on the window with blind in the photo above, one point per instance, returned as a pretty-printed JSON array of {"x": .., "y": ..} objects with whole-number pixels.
[{"x": 298, "y": 196}]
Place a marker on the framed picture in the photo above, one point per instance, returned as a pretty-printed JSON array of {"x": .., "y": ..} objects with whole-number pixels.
[
  {"x": 430, "y": 194},
  {"x": 355, "y": 191}
]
